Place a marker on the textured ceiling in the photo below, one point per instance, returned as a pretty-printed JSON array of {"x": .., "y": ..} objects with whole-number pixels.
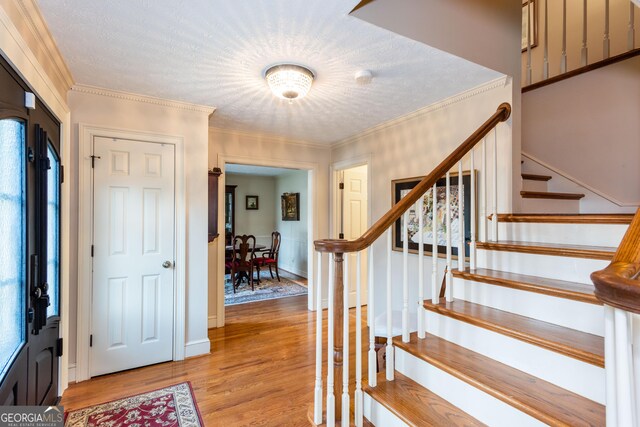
[
  {"x": 255, "y": 170},
  {"x": 214, "y": 52}
]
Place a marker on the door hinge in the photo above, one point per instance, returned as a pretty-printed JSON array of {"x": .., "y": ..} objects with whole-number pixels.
[
  {"x": 61, "y": 174},
  {"x": 341, "y": 236},
  {"x": 341, "y": 186},
  {"x": 93, "y": 161},
  {"x": 91, "y": 340},
  {"x": 59, "y": 347},
  {"x": 91, "y": 251}
]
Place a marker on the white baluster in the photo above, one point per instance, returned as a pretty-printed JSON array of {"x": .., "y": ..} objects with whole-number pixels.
[
  {"x": 435, "y": 291},
  {"x": 631, "y": 36},
  {"x": 624, "y": 371},
  {"x": 563, "y": 58},
  {"x": 405, "y": 277},
  {"x": 610, "y": 365},
  {"x": 449, "y": 277},
  {"x": 529, "y": 4},
  {"x": 371, "y": 321},
  {"x": 545, "y": 61},
  {"x": 606, "y": 44},
  {"x": 461, "y": 242},
  {"x": 345, "y": 339},
  {"x": 389, "y": 350},
  {"x": 317, "y": 405},
  {"x": 358, "y": 397},
  {"x": 472, "y": 242},
  {"x": 331, "y": 402},
  {"x": 420, "y": 212},
  {"x": 494, "y": 218},
  {"x": 584, "y": 54},
  {"x": 485, "y": 190}
]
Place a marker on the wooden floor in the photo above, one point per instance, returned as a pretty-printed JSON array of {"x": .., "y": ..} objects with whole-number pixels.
[{"x": 260, "y": 372}]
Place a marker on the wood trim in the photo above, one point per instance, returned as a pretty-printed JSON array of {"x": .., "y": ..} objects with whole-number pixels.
[
  {"x": 534, "y": 177},
  {"x": 360, "y": 5},
  {"x": 612, "y": 60},
  {"x": 569, "y": 342},
  {"x": 550, "y": 195},
  {"x": 540, "y": 285},
  {"x": 542, "y": 400},
  {"x": 618, "y": 284},
  {"x": 566, "y": 218},
  {"x": 342, "y": 246},
  {"x": 554, "y": 249}
]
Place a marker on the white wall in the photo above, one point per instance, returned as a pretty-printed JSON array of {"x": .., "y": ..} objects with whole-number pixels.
[
  {"x": 146, "y": 115},
  {"x": 261, "y": 222},
  {"x": 293, "y": 250},
  {"x": 412, "y": 147},
  {"x": 588, "y": 127}
]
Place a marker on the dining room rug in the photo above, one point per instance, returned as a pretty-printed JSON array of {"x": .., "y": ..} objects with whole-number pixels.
[
  {"x": 173, "y": 406},
  {"x": 267, "y": 289}
]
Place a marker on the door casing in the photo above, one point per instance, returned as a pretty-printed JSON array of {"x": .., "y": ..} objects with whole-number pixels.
[{"x": 86, "y": 134}]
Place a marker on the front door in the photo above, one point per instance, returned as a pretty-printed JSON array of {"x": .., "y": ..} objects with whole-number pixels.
[
  {"x": 133, "y": 254},
  {"x": 30, "y": 176}
]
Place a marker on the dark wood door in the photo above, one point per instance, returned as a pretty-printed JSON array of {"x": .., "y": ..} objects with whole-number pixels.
[{"x": 29, "y": 235}]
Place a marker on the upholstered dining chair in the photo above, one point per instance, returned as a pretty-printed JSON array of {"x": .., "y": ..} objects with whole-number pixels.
[
  {"x": 243, "y": 260},
  {"x": 270, "y": 256}
]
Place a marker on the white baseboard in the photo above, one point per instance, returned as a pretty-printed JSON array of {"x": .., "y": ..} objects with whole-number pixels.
[
  {"x": 197, "y": 348},
  {"x": 212, "y": 322},
  {"x": 297, "y": 272},
  {"x": 72, "y": 373}
]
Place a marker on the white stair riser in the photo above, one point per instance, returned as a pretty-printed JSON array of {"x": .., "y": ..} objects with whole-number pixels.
[
  {"x": 553, "y": 267},
  {"x": 550, "y": 205},
  {"x": 560, "y": 311},
  {"x": 478, "y": 404},
  {"x": 572, "y": 234},
  {"x": 574, "y": 375},
  {"x": 379, "y": 415},
  {"x": 534, "y": 185}
]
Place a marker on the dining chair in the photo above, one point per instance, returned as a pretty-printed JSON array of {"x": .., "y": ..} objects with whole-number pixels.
[
  {"x": 270, "y": 256},
  {"x": 243, "y": 260}
]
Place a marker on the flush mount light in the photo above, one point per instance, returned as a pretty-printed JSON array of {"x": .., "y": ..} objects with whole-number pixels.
[{"x": 289, "y": 81}]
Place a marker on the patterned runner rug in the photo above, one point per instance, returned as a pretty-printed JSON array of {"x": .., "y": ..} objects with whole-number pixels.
[
  {"x": 172, "y": 406},
  {"x": 267, "y": 289}
]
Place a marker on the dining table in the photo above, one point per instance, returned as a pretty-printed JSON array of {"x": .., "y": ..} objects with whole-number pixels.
[{"x": 242, "y": 274}]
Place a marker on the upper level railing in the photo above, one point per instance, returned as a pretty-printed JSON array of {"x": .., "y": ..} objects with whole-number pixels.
[
  {"x": 338, "y": 289},
  {"x": 560, "y": 37}
]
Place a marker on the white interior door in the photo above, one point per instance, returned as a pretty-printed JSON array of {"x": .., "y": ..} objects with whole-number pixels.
[
  {"x": 355, "y": 224},
  {"x": 133, "y": 254}
]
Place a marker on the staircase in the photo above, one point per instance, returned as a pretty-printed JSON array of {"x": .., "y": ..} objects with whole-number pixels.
[
  {"x": 536, "y": 197},
  {"x": 521, "y": 342}
]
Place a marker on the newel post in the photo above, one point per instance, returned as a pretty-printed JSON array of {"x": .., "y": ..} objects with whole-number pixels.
[{"x": 338, "y": 324}]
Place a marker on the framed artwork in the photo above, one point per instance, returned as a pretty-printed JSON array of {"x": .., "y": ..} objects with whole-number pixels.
[
  {"x": 400, "y": 187},
  {"x": 526, "y": 6},
  {"x": 290, "y": 203},
  {"x": 251, "y": 203}
]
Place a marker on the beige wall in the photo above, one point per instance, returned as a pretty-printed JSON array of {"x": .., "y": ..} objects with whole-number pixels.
[
  {"x": 129, "y": 114},
  {"x": 293, "y": 250},
  {"x": 259, "y": 222},
  {"x": 246, "y": 148},
  {"x": 618, "y": 27},
  {"x": 588, "y": 127}
]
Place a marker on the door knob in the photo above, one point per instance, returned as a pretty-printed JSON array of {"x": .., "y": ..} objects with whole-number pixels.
[{"x": 167, "y": 264}]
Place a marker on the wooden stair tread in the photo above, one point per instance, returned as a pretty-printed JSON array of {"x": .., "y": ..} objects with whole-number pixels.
[
  {"x": 534, "y": 177},
  {"x": 551, "y": 195},
  {"x": 542, "y": 400},
  {"x": 557, "y": 288},
  {"x": 557, "y": 249},
  {"x": 567, "y": 218},
  {"x": 579, "y": 345},
  {"x": 416, "y": 405}
]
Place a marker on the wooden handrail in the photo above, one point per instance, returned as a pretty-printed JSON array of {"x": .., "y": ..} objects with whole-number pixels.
[
  {"x": 342, "y": 246},
  {"x": 618, "y": 284}
]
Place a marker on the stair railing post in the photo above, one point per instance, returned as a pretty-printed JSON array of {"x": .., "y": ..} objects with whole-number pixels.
[
  {"x": 585, "y": 53},
  {"x": 606, "y": 43},
  {"x": 472, "y": 242},
  {"x": 529, "y": 72},
  {"x": 435, "y": 291},
  {"x": 461, "y": 242},
  {"x": 485, "y": 191},
  {"x": 545, "y": 61},
  {"x": 317, "y": 402},
  {"x": 358, "y": 397},
  {"x": 331, "y": 350},
  {"x": 420, "y": 213},
  {"x": 345, "y": 344},
  {"x": 631, "y": 36},
  {"x": 625, "y": 393},
  {"x": 390, "y": 366},
  {"x": 449, "y": 276},
  {"x": 494, "y": 218},
  {"x": 338, "y": 324},
  {"x": 405, "y": 276},
  {"x": 563, "y": 57},
  {"x": 371, "y": 322}
]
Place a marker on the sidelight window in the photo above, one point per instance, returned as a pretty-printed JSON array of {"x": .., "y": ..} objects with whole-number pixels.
[{"x": 53, "y": 230}]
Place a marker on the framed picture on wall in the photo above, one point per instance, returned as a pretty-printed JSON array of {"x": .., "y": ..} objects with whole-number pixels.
[
  {"x": 251, "y": 203},
  {"x": 529, "y": 23},
  {"x": 400, "y": 187},
  {"x": 290, "y": 203}
]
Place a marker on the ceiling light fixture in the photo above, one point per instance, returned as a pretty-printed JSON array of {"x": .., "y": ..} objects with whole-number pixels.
[{"x": 289, "y": 81}]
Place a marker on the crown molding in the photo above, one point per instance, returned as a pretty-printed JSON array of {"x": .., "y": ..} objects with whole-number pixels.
[
  {"x": 269, "y": 138},
  {"x": 128, "y": 96},
  {"x": 443, "y": 103},
  {"x": 40, "y": 30}
]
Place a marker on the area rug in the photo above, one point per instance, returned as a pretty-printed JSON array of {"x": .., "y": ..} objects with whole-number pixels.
[
  {"x": 268, "y": 288},
  {"x": 172, "y": 406}
]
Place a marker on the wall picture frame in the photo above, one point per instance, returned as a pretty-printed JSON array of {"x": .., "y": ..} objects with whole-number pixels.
[
  {"x": 290, "y": 203},
  {"x": 400, "y": 187},
  {"x": 251, "y": 203},
  {"x": 533, "y": 6}
]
